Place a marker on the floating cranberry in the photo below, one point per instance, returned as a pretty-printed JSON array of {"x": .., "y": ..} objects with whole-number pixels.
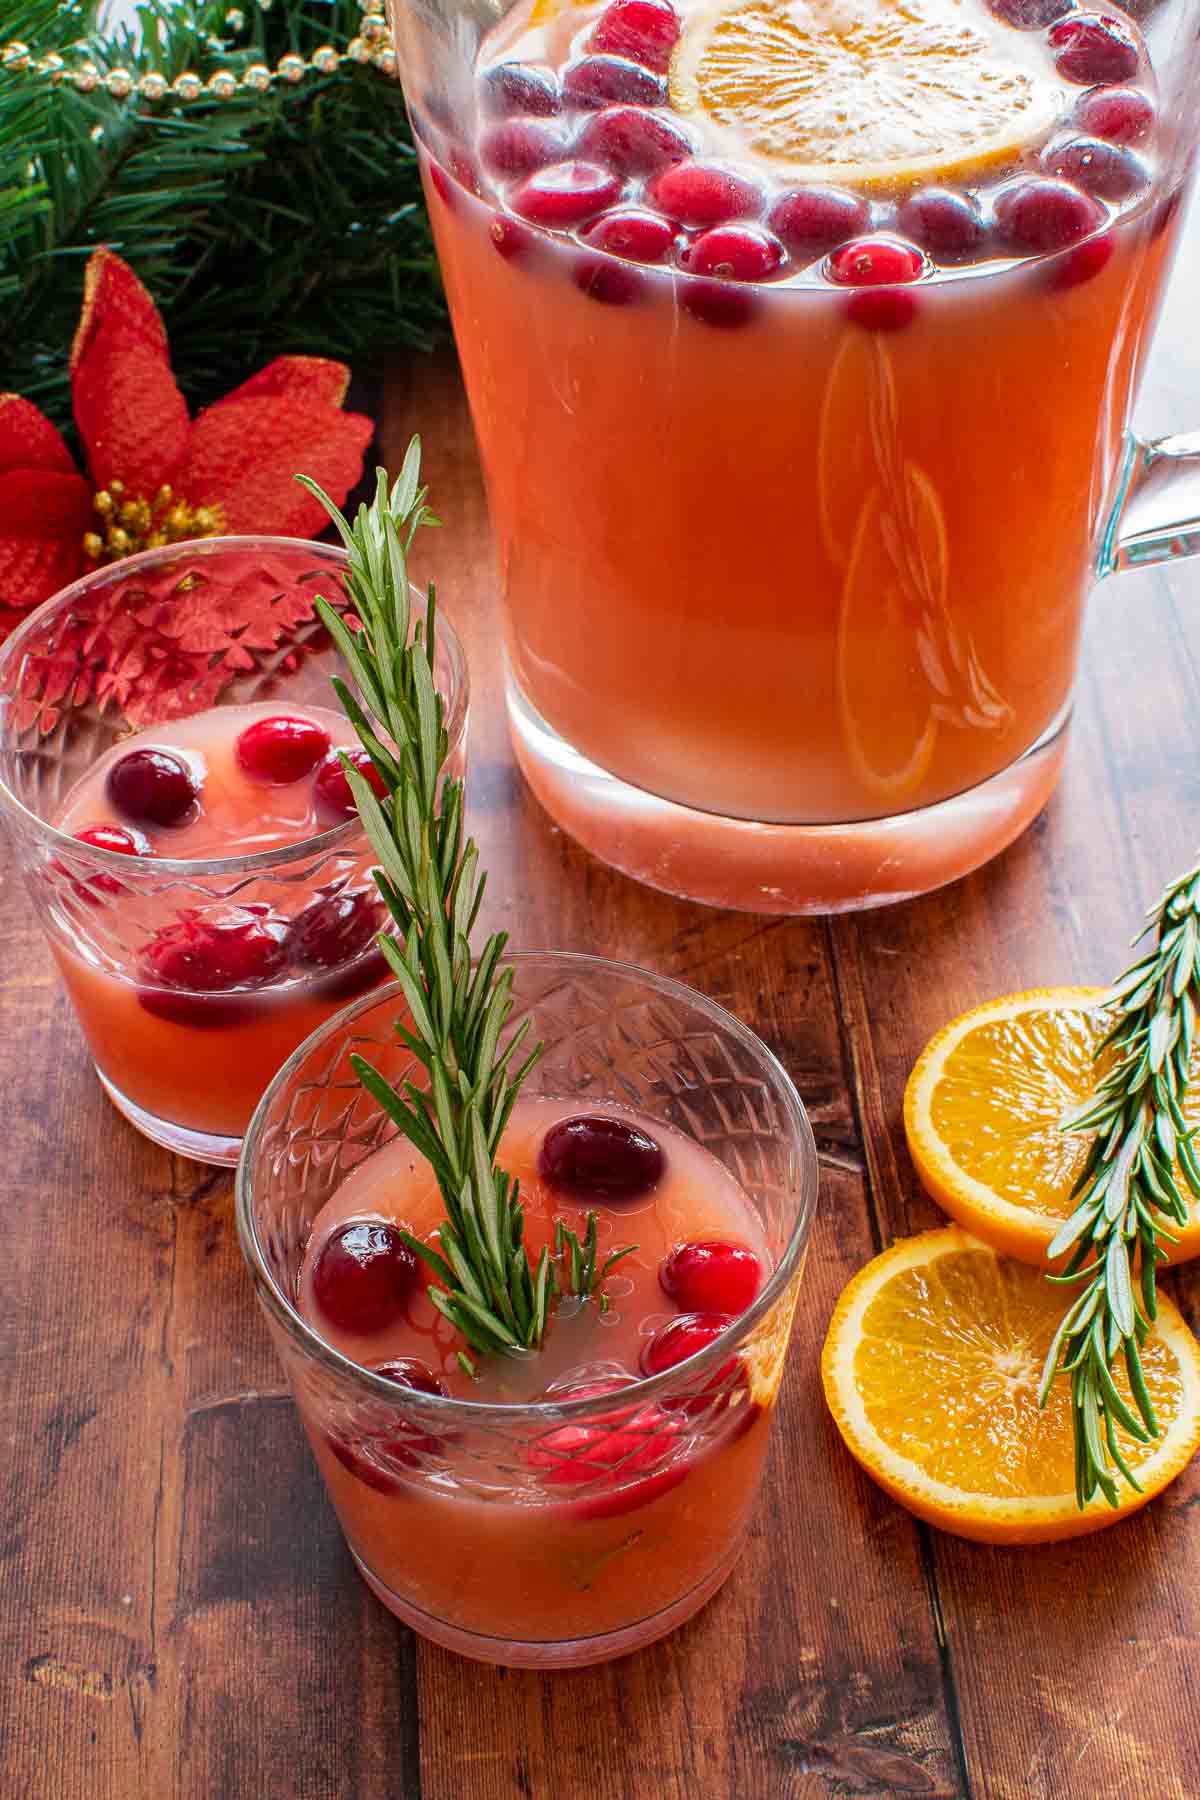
[
  {"x": 364, "y": 1276},
  {"x": 736, "y": 253},
  {"x": 882, "y": 309},
  {"x": 875, "y": 262},
  {"x": 609, "y": 282},
  {"x": 698, "y": 193},
  {"x": 1030, "y": 15},
  {"x": 152, "y": 787},
  {"x": 600, "y": 1157},
  {"x": 406, "y": 1439},
  {"x": 509, "y": 236},
  {"x": 1046, "y": 215},
  {"x": 1105, "y": 170},
  {"x": 646, "y": 31},
  {"x": 716, "y": 303},
  {"x": 686, "y": 1336},
  {"x": 362, "y": 1465},
  {"x": 114, "y": 838},
  {"x": 442, "y": 186},
  {"x": 710, "y": 1276},
  {"x": 813, "y": 220},
  {"x": 1121, "y": 115},
  {"x": 204, "y": 956},
  {"x": 513, "y": 88},
  {"x": 333, "y": 790},
  {"x": 632, "y": 141},
  {"x": 465, "y": 172},
  {"x": 333, "y": 930},
  {"x": 606, "y": 80},
  {"x": 565, "y": 194},
  {"x": 946, "y": 223},
  {"x": 643, "y": 237},
  {"x": 519, "y": 146},
  {"x": 281, "y": 749},
  {"x": 1081, "y": 263},
  {"x": 607, "y": 1449},
  {"x": 1094, "y": 47}
]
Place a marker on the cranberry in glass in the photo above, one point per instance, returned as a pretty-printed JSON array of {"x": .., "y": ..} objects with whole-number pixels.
[
  {"x": 333, "y": 790},
  {"x": 280, "y": 750},
  {"x": 605, "y": 80},
  {"x": 600, "y": 1157},
  {"x": 607, "y": 1449},
  {"x": 1094, "y": 47},
  {"x": 1105, "y": 170},
  {"x": 711, "y": 1276},
  {"x": 1120, "y": 115},
  {"x": 152, "y": 787},
  {"x": 736, "y": 253},
  {"x": 1046, "y": 215},
  {"x": 114, "y": 838},
  {"x": 333, "y": 930},
  {"x": 362, "y": 1467},
  {"x": 644, "y": 30},
  {"x": 519, "y": 146},
  {"x": 632, "y": 141},
  {"x": 815, "y": 219},
  {"x": 944, "y": 222},
  {"x": 701, "y": 194},
  {"x": 1081, "y": 263},
  {"x": 442, "y": 186},
  {"x": 565, "y": 194},
  {"x": 609, "y": 282},
  {"x": 682, "y": 1337},
  {"x": 364, "y": 1276},
  {"x": 875, "y": 262},
  {"x": 643, "y": 237},
  {"x": 203, "y": 956},
  {"x": 716, "y": 303},
  {"x": 406, "y": 1437},
  {"x": 512, "y": 88},
  {"x": 509, "y": 237}
]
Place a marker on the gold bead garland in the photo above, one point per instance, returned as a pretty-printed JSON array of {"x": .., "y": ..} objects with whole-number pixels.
[{"x": 372, "y": 47}]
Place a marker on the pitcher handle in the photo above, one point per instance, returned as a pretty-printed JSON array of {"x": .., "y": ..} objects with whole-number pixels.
[{"x": 1156, "y": 514}]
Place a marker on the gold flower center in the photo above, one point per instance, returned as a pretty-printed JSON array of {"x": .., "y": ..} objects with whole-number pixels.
[{"x": 131, "y": 522}]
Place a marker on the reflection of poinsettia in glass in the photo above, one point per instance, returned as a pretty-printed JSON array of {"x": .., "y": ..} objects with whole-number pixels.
[{"x": 156, "y": 476}]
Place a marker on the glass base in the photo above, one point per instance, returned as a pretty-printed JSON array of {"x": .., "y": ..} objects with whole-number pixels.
[
  {"x": 201, "y": 1146},
  {"x": 748, "y": 867},
  {"x": 561, "y": 1653}
]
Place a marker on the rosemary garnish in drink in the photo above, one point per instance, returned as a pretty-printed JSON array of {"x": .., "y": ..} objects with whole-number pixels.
[
  {"x": 459, "y": 1004},
  {"x": 1128, "y": 1193}
]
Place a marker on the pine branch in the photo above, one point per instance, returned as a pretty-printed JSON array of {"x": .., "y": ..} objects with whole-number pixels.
[{"x": 1128, "y": 1194}]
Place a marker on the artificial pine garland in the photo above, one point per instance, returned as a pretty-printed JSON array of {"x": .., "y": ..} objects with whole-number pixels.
[{"x": 283, "y": 220}]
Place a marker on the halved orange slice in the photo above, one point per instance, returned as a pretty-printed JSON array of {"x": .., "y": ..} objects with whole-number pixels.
[
  {"x": 983, "y": 1110},
  {"x": 931, "y": 1369},
  {"x": 876, "y": 92}
]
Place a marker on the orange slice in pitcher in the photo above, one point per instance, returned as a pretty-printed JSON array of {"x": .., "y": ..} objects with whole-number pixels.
[
  {"x": 894, "y": 588},
  {"x": 878, "y": 92}
]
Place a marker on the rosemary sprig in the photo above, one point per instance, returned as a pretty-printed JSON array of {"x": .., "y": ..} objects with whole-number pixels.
[
  {"x": 459, "y": 1004},
  {"x": 1128, "y": 1195}
]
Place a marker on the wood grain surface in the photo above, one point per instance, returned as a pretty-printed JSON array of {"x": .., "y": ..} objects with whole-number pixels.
[{"x": 179, "y": 1619}]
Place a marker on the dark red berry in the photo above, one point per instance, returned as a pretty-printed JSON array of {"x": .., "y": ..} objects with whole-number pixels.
[
  {"x": 442, "y": 186},
  {"x": 203, "y": 956},
  {"x": 686, "y": 1336},
  {"x": 280, "y": 750},
  {"x": 632, "y": 141},
  {"x": 405, "y": 1440},
  {"x": 643, "y": 237},
  {"x": 597, "y": 1156},
  {"x": 736, "y": 253},
  {"x": 608, "y": 1449},
  {"x": 464, "y": 171},
  {"x": 409, "y": 1372},
  {"x": 605, "y": 80},
  {"x": 509, "y": 237},
  {"x": 152, "y": 787},
  {"x": 716, "y": 303},
  {"x": 609, "y": 282},
  {"x": 1105, "y": 170},
  {"x": 813, "y": 220},
  {"x": 565, "y": 194},
  {"x": 1046, "y": 215},
  {"x": 359, "y": 1460},
  {"x": 519, "y": 146},
  {"x": 1081, "y": 263},
  {"x": 513, "y": 88},
  {"x": 364, "y": 1276},
  {"x": 333, "y": 790},
  {"x": 333, "y": 930},
  {"x": 946, "y": 223},
  {"x": 1121, "y": 115},
  {"x": 120, "y": 842},
  {"x": 882, "y": 309},
  {"x": 875, "y": 262},
  {"x": 644, "y": 30},
  {"x": 1030, "y": 15},
  {"x": 1094, "y": 47},
  {"x": 710, "y": 1276},
  {"x": 697, "y": 193}
]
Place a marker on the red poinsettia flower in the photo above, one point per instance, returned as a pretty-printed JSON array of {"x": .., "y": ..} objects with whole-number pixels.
[{"x": 155, "y": 475}]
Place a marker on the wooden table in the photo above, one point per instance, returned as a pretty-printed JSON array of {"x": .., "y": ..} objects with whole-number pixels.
[{"x": 179, "y": 1615}]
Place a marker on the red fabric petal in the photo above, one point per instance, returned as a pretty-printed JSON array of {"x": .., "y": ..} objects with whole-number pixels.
[
  {"x": 324, "y": 382},
  {"x": 246, "y": 450},
  {"x": 28, "y": 440},
  {"x": 130, "y": 413},
  {"x": 43, "y": 516}
]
